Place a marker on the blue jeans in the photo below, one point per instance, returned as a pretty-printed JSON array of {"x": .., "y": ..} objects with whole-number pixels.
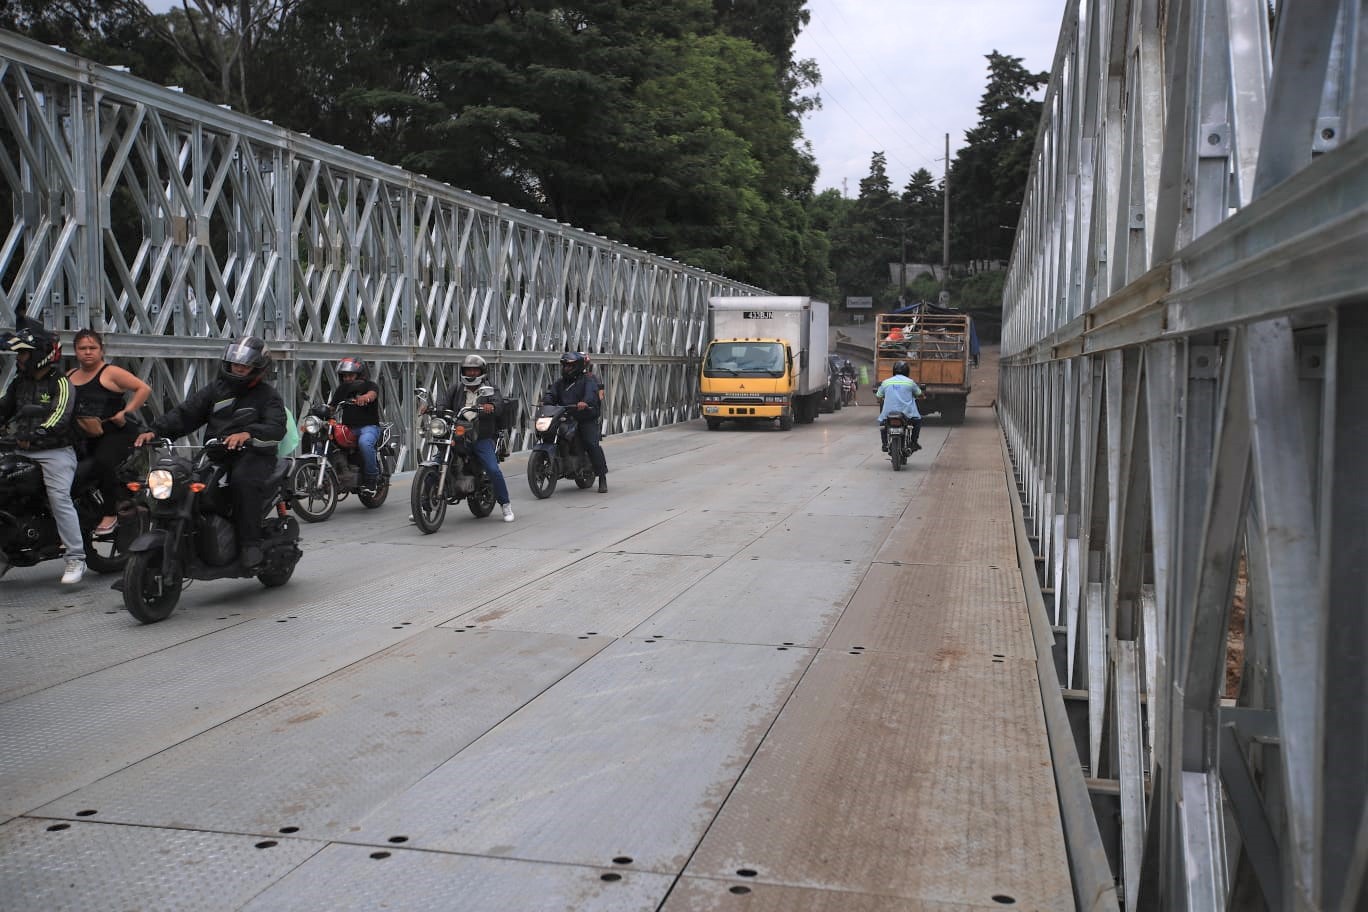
[
  {"x": 484, "y": 451},
  {"x": 368, "y": 438}
]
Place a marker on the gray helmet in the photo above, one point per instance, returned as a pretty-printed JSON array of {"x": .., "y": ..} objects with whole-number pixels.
[
  {"x": 474, "y": 371},
  {"x": 902, "y": 368},
  {"x": 251, "y": 351}
]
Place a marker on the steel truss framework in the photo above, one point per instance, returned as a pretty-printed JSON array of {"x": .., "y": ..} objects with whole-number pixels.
[
  {"x": 1184, "y": 395},
  {"x": 173, "y": 224}
]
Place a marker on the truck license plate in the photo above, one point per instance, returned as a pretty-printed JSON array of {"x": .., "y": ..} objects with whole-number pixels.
[{"x": 710, "y": 410}]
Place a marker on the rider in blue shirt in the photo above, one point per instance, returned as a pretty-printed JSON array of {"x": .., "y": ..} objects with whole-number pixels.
[{"x": 899, "y": 393}]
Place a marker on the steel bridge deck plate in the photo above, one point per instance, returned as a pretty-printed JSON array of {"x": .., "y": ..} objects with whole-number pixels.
[
  {"x": 118, "y": 716},
  {"x": 815, "y": 537},
  {"x": 349, "y": 879},
  {"x": 968, "y": 521},
  {"x": 86, "y": 866},
  {"x": 961, "y": 609},
  {"x": 750, "y": 600},
  {"x": 743, "y": 894},
  {"x": 609, "y": 593},
  {"x": 702, "y": 533},
  {"x": 321, "y": 758},
  {"x": 629, "y": 756},
  {"x": 889, "y": 774}
]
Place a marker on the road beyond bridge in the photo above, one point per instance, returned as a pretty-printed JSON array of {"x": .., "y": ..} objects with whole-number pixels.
[{"x": 764, "y": 673}]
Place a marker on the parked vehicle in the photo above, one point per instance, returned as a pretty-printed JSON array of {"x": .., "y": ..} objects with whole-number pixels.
[
  {"x": 558, "y": 452},
  {"x": 192, "y": 534},
  {"x": 321, "y": 480},
  {"x": 766, "y": 360},
  {"x": 901, "y": 446},
  {"x": 449, "y": 471},
  {"x": 940, "y": 347},
  {"x": 28, "y": 531}
]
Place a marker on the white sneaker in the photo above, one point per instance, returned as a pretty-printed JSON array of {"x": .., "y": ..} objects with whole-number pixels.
[
  {"x": 75, "y": 569},
  {"x": 507, "y": 512}
]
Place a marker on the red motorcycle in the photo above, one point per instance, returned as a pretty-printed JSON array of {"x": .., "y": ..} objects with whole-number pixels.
[{"x": 330, "y": 466}]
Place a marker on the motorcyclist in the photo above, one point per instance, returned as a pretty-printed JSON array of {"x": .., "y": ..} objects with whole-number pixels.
[
  {"x": 579, "y": 389},
  {"x": 899, "y": 393},
  {"x": 45, "y": 438},
  {"x": 240, "y": 385},
  {"x": 356, "y": 403},
  {"x": 474, "y": 376}
]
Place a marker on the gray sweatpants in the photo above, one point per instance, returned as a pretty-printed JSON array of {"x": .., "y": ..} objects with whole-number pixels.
[{"x": 59, "y": 470}]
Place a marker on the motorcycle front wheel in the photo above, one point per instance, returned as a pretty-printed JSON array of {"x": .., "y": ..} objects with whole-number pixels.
[
  {"x": 148, "y": 595},
  {"x": 315, "y": 498},
  {"x": 541, "y": 477},
  {"x": 429, "y": 506}
]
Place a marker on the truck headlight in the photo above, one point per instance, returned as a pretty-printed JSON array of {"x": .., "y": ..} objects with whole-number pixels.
[{"x": 160, "y": 482}]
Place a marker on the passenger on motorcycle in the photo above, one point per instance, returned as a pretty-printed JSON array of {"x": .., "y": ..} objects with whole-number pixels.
[
  {"x": 899, "y": 393},
  {"x": 474, "y": 375},
  {"x": 239, "y": 385},
  {"x": 579, "y": 389},
  {"x": 106, "y": 397},
  {"x": 358, "y": 398},
  {"x": 45, "y": 438}
]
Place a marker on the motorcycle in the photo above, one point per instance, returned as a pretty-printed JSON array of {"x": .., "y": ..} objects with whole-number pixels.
[
  {"x": 901, "y": 444},
  {"x": 192, "y": 534},
  {"x": 558, "y": 452},
  {"x": 848, "y": 389},
  {"x": 329, "y": 468},
  {"x": 28, "y": 531},
  {"x": 449, "y": 471}
]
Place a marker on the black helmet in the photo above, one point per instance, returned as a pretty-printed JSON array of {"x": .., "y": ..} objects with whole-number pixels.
[
  {"x": 902, "y": 368},
  {"x": 353, "y": 366},
  {"x": 251, "y": 351},
  {"x": 474, "y": 371},
  {"x": 572, "y": 365},
  {"x": 32, "y": 337}
]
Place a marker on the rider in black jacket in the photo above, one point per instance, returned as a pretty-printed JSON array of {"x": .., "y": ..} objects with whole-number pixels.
[
  {"x": 45, "y": 438},
  {"x": 477, "y": 391},
  {"x": 579, "y": 390},
  {"x": 239, "y": 385}
]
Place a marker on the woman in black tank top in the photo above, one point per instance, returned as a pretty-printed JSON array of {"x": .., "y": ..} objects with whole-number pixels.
[{"x": 101, "y": 410}]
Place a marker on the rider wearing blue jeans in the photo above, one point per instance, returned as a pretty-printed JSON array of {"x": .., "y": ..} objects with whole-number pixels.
[
  {"x": 478, "y": 392},
  {"x": 899, "y": 393},
  {"x": 358, "y": 397}
]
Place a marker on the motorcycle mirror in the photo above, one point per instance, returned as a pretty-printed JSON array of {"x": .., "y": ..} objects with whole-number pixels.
[{"x": 485, "y": 391}]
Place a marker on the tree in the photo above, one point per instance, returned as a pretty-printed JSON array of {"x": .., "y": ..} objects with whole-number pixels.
[
  {"x": 923, "y": 203},
  {"x": 989, "y": 174}
]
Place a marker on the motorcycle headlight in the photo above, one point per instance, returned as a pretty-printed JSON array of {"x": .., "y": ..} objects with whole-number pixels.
[
  {"x": 312, "y": 424},
  {"x": 160, "y": 483},
  {"x": 543, "y": 425},
  {"x": 438, "y": 427}
]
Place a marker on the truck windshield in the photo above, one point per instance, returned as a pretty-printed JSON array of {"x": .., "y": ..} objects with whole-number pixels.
[{"x": 744, "y": 359}]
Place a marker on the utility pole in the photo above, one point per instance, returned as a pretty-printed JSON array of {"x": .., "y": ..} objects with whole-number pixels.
[
  {"x": 945, "y": 229},
  {"x": 902, "y": 275}
]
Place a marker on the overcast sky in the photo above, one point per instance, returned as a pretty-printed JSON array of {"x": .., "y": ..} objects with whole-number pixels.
[{"x": 897, "y": 75}]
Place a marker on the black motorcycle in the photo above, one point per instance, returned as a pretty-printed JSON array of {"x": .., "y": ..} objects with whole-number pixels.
[
  {"x": 558, "y": 452},
  {"x": 901, "y": 439},
  {"x": 320, "y": 480},
  {"x": 449, "y": 471},
  {"x": 193, "y": 535},
  {"x": 28, "y": 530}
]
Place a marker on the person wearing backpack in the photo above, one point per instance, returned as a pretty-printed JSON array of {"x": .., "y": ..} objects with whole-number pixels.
[{"x": 477, "y": 391}]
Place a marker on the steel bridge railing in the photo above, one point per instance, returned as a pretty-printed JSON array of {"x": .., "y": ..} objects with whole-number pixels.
[
  {"x": 173, "y": 224},
  {"x": 1185, "y": 398}
]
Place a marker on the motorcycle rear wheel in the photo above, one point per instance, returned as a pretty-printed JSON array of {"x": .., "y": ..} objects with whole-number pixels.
[
  {"x": 276, "y": 576},
  {"x": 148, "y": 595},
  {"x": 585, "y": 479},
  {"x": 315, "y": 499},
  {"x": 429, "y": 506},
  {"x": 895, "y": 453},
  {"x": 371, "y": 501},
  {"x": 541, "y": 478},
  {"x": 481, "y": 501}
]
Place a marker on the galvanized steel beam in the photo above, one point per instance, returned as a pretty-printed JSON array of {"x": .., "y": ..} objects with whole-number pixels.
[{"x": 1185, "y": 311}]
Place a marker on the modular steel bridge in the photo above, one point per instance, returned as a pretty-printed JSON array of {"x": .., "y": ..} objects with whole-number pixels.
[{"x": 1183, "y": 398}]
